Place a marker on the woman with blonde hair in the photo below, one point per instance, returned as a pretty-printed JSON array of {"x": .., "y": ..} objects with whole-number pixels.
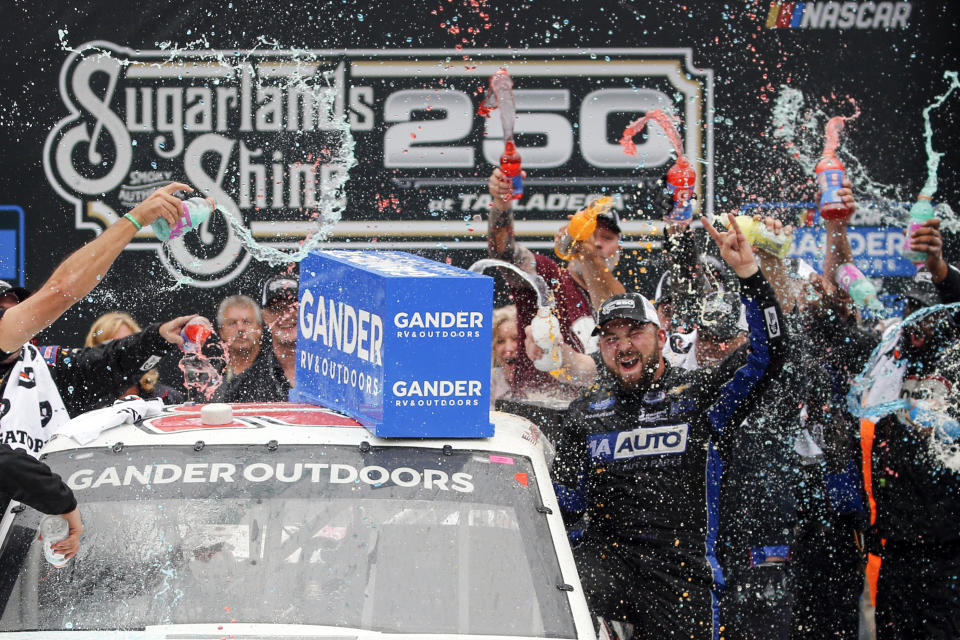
[
  {"x": 110, "y": 326},
  {"x": 505, "y": 343},
  {"x": 120, "y": 324}
]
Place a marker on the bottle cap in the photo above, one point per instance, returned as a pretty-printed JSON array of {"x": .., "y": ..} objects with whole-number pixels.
[{"x": 216, "y": 413}]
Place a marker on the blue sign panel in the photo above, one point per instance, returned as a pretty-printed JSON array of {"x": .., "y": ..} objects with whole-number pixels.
[
  {"x": 877, "y": 251},
  {"x": 398, "y": 342},
  {"x": 11, "y": 244}
]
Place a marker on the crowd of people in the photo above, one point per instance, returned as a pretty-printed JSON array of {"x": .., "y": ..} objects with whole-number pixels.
[{"x": 713, "y": 477}]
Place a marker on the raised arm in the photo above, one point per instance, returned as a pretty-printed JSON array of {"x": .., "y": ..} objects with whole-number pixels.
[
  {"x": 501, "y": 243},
  {"x": 81, "y": 271},
  {"x": 838, "y": 250},
  {"x": 597, "y": 277},
  {"x": 766, "y": 324}
]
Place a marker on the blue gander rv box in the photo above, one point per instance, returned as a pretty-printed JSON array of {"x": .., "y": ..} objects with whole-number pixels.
[{"x": 398, "y": 342}]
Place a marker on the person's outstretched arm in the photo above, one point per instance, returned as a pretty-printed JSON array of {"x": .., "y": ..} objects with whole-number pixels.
[
  {"x": 83, "y": 269},
  {"x": 501, "y": 243},
  {"x": 27, "y": 480}
]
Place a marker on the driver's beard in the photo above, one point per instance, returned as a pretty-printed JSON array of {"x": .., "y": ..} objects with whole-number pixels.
[{"x": 649, "y": 371}]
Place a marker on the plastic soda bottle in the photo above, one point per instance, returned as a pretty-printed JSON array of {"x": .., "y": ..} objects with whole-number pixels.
[
  {"x": 761, "y": 237},
  {"x": 852, "y": 280},
  {"x": 510, "y": 166},
  {"x": 53, "y": 529},
  {"x": 194, "y": 334},
  {"x": 680, "y": 180},
  {"x": 829, "y": 174},
  {"x": 545, "y": 331},
  {"x": 920, "y": 212},
  {"x": 195, "y": 212},
  {"x": 580, "y": 228}
]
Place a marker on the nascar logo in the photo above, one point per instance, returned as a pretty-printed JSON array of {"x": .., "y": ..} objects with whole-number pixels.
[{"x": 838, "y": 15}]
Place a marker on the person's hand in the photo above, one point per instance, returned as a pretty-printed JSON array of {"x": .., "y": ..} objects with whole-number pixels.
[
  {"x": 501, "y": 188},
  {"x": 533, "y": 351},
  {"x": 69, "y": 546},
  {"x": 845, "y": 193},
  {"x": 927, "y": 238},
  {"x": 170, "y": 331},
  {"x": 734, "y": 248},
  {"x": 161, "y": 204},
  {"x": 776, "y": 226}
]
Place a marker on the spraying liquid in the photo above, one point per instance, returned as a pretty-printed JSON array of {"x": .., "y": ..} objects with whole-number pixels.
[
  {"x": 681, "y": 177},
  {"x": 922, "y": 210},
  {"x": 580, "y": 228},
  {"x": 329, "y": 161},
  {"x": 796, "y": 129},
  {"x": 201, "y": 374},
  {"x": 500, "y": 96},
  {"x": 876, "y": 393},
  {"x": 545, "y": 327}
]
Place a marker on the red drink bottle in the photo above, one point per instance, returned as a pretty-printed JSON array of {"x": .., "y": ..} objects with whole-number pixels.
[
  {"x": 829, "y": 173},
  {"x": 194, "y": 334},
  {"x": 680, "y": 180},
  {"x": 510, "y": 166}
]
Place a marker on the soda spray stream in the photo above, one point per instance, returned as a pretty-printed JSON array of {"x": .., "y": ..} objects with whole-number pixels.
[
  {"x": 500, "y": 96},
  {"x": 681, "y": 177}
]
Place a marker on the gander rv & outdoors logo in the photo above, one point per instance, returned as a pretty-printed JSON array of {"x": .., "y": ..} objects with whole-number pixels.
[{"x": 270, "y": 135}]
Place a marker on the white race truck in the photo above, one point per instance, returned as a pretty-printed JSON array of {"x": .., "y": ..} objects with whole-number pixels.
[{"x": 294, "y": 521}]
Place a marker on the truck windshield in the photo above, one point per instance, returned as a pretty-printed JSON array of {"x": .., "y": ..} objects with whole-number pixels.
[{"x": 392, "y": 539}]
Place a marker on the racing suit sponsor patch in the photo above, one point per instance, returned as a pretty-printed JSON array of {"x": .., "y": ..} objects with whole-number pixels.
[
  {"x": 773, "y": 325},
  {"x": 652, "y": 441},
  {"x": 50, "y": 354},
  {"x": 606, "y": 403},
  {"x": 150, "y": 363}
]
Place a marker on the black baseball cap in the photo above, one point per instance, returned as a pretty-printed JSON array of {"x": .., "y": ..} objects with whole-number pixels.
[
  {"x": 21, "y": 293},
  {"x": 632, "y": 306},
  {"x": 922, "y": 291},
  {"x": 278, "y": 288},
  {"x": 610, "y": 219}
]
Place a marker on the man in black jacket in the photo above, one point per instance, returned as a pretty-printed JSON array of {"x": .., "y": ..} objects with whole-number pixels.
[
  {"x": 914, "y": 486},
  {"x": 271, "y": 376},
  {"x": 33, "y": 483},
  {"x": 54, "y": 383},
  {"x": 637, "y": 454}
]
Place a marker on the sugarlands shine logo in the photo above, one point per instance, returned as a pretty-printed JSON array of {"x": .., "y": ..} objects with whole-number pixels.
[
  {"x": 270, "y": 135},
  {"x": 264, "y": 134}
]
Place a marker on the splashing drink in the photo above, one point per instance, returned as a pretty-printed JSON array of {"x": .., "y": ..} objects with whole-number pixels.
[
  {"x": 53, "y": 529},
  {"x": 545, "y": 331},
  {"x": 201, "y": 376},
  {"x": 195, "y": 213},
  {"x": 581, "y": 227},
  {"x": 194, "y": 334},
  {"x": 920, "y": 212},
  {"x": 500, "y": 96},
  {"x": 681, "y": 177},
  {"x": 829, "y": 174}
]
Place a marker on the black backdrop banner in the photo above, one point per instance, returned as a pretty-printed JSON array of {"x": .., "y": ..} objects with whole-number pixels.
[{"x": 361, "y": 119}]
